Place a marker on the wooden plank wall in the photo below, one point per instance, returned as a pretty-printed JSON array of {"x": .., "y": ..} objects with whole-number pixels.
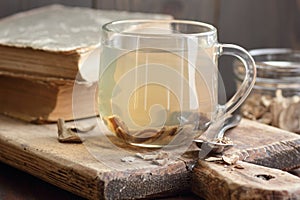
[{"x": 248, "y": 23}]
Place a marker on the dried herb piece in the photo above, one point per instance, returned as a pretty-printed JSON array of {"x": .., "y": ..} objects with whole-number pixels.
[
  {"x": 146, "y": 156},
  {"x": 160, "y": 136},
  {"x": 282, "y": 112},
  {"x": 213, "y": 159},
  {"x": 65, "y": 134},
  {"x": 145, "y": 136},
  {"x": 161, "y": 158},
  {"x": 114, "y": 122},
  {"x": 238, "y": 166},
  {"x": 160, "y": 162},
  {"x": 157, "y": 156},
  {"x": 230, "y": 160},
  {"x": 223, "y": 140},
  {"x": 128, "y": 159},
  {"x": 289, "y": 119},
  {"x": 177, "y": 134},
  {"x": 83, "y": 129}
]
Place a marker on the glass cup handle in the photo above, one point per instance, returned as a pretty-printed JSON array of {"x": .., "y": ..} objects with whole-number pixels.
[{"x": 250, "y": 74}]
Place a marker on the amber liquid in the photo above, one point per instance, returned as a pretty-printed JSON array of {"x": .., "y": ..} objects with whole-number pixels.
[{"x": 155, "y": 94}]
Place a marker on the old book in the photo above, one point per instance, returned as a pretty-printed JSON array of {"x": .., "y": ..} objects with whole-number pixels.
[
  {"x": 57, "y": 41},
  {"x": 40, "y": 99},
  {"x": 44, "y": 52}
]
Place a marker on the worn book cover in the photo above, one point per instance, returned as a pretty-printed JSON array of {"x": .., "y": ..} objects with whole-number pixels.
[
  {"x": 43, "y": 52},
  {"x": 39, "y": 99},
  {"x": 57, "y": 41}
]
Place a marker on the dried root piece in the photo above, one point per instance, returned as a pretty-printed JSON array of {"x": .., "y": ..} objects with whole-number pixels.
[
  {"x": 253, "y": 108},
  {"x": 147, "y": 136},
  {"x": 266, "y": 101},
  {"x": 160, "y": 136},
  {"x": 83, "y": 129},
  {"x": 114, "y": 122},
  {"x": 282, "y": 112},
  {"x": 276, "y": 107},
  {"x": 230, "y": 160},
  {"x": 159, "y": 155},
  {"x": 146, "y": 156},
  {"x": 121, "y": 130},
  {"x": 128, "y": 159},
  {"x": 164, "y": 135},
  {"x": 223, "y": 140},
  {"x": 238, "y": 166},
  {"x": 161, "y": 158},
  {"x": 213, "y": 159},
  {"x": 160, "y": 162},
  {"x": 289, "y": 119},
  {"x": 266, "y": 118},
  {"x": 66, "y": 135}
]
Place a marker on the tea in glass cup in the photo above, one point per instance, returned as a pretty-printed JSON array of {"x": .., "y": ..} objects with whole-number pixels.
[{"x": 158, "y": 81}]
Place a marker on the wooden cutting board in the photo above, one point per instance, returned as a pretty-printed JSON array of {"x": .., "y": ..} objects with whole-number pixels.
[
  {"x": 263, "y": 153},
  {"x": 94, "y": 169}
]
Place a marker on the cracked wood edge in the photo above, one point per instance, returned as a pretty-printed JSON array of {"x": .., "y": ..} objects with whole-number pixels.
[
  {"x": 284, "y": 155},
  {"x": 56, "y": 171},
  {"x": 214, "y": 181},
  {"x": 158, "y": 182},
  {"x": 73, "y": 168},
  {"x": 70, "y": 176},
  {"x": 259, "y": 155},
  {"x": 93, "y": 184},
  {"x": 265, "y": 145}
]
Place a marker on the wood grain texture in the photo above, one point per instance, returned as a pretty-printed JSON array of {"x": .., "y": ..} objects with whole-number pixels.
[
  {"x": 35, "y": 149},
  {"x": 94, "y": 169},
  {"x": 18, "y": 185},
  {"x": 216, "y": 181},
  {"x": 265, "y": 145},
  {"x": 260, "y": 149}
]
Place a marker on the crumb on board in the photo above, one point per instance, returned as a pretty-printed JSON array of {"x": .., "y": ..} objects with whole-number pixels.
[
  {"x": 161, "y": 158},
  {"x": 128, "y": 159},
  {"x": 228, "y": 160}
]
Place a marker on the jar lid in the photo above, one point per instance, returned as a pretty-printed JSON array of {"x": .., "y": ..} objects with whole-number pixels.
[{"x": 275, "y": 64}]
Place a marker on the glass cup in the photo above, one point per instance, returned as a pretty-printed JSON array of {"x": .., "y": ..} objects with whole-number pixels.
[{"x": 158, "y": 82}]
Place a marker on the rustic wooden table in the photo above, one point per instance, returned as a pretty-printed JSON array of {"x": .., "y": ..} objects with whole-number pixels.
[
  {"x": 18, "y": 185},
  {"x": 85, "y": 169}
]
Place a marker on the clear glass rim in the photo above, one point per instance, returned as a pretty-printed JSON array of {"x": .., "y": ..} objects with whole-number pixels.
[
  {"x": 211, "y": 29},
  {"x": 274, "y": 51},
  {"x": 267, "y": 71},
  {"x": 267, "y": 51}
]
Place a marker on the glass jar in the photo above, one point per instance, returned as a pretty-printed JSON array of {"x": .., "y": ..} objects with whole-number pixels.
[{"x": 275, "y": 98}]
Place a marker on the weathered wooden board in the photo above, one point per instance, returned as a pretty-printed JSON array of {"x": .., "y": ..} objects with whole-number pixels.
[
  {"x": 260, "y": 149},
  {"x": 216, "y": 181},
  {"x": 35, "y": 149},
  {"x": 94, "y": 169},
  {"x": 266, "y": 145}
]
